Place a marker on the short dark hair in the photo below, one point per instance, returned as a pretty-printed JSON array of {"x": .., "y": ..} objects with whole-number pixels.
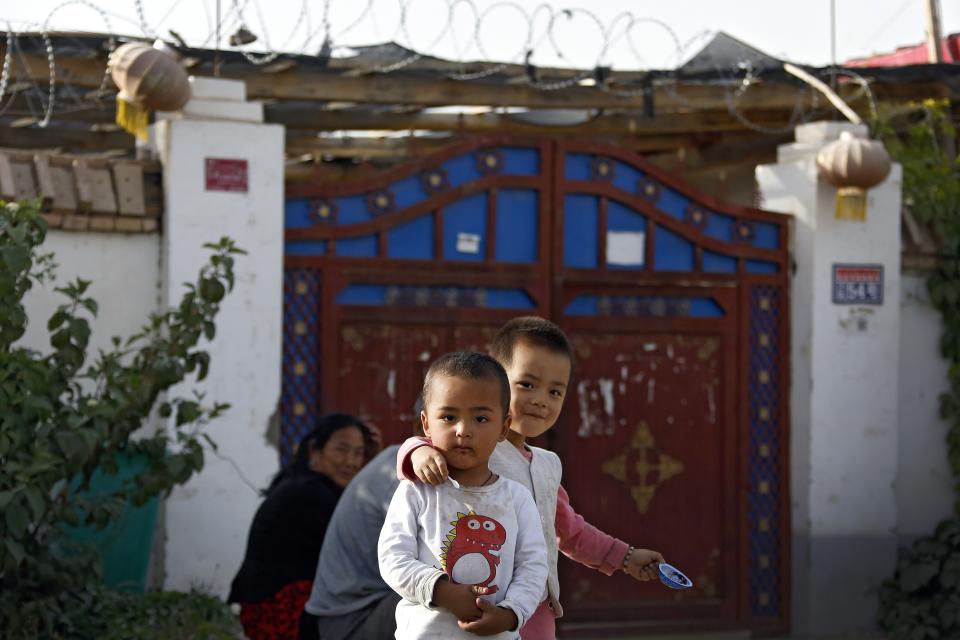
[
  {"x": 533, "y": 330},
  {"x": 468, "y": 365}
]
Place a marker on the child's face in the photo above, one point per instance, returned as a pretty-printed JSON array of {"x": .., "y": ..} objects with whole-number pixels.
[
  {"x": 465, "y": 421},
  {"x": 538, "y": 384}
]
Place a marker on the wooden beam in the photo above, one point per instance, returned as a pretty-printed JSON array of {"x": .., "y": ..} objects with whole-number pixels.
[
  {"x": 398, "y": 88},
  {"x": 67, "y": 139},
  {"x": 320, "y": 120}
]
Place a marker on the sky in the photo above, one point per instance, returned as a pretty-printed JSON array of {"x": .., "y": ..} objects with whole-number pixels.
[{"x": 646, "y": 34}]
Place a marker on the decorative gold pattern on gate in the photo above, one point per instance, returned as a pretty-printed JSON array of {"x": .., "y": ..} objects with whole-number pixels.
[{"x": 642, "y": 467}]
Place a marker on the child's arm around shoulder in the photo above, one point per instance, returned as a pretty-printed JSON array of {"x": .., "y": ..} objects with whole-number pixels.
[
  {"x": 398, "y": 547},
  {"x": 418, "y": 460}
]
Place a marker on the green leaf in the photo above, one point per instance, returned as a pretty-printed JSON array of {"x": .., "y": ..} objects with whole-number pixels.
[
  {"x": 916, "y": 576},
  {"x": 212, "y": 290},
  {"x": 15, "y": 549},
  {"x": 35, "y": 500},
  {"x": 16, "y": 519}
]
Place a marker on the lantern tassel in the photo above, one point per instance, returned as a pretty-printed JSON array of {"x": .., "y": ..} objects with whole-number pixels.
[
  {"x": 132, "y": 117},
  {"x": 851, "y": 204}
]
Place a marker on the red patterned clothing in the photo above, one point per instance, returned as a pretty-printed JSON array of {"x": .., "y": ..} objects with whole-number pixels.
[{"x": 277, "y": 617}]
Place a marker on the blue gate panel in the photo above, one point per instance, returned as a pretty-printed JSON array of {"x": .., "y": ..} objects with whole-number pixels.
[
  {"x": 626, "y": 177},
  {"x": 580, "y": 246},
  {"x": 671, "y": 252},
  {"x": 461, "y": 170},
  {"x": 297, "y": 214},
  {"x": 760, "y": 266},
  {"x": 306, "y": 248},
  {"x": 412, "y": 240},
  {"x": 521, "y": 162},
  {"x": 379, "y": 295},
  {"x": 407, "y": 192},
  {"x": 645, "y": 306},
  {"x": 517, "y": 221},
  {"x": 718, "y": 263},
  {"x": 765, "y": 236},
  {"x": 467, "y": 216},
  {"x": 673, "y": 203},
  {"x": 577, "y": 166},
  {"x": 359, "y": 247},
  {"x": 719, "y": 227},
  {"x": 352, "y": 210}
]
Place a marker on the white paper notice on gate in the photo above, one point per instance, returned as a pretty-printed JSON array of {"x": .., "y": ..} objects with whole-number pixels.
[
  {"x": 626, "y": 248},
  {"x": 468, "y": 243}
]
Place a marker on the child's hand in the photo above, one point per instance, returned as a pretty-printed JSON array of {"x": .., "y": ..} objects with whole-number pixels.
[
  {"x": 429, "y": 465},
  {"x": 458, "y": 599},
  {"x": 493, "y": 620},
  {"x": 642, "y": 564}
]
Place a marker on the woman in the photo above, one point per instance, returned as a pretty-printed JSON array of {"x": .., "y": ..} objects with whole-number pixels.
[{"x": 284, "y": 543}]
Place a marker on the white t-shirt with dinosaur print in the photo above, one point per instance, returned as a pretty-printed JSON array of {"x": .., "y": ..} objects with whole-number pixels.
[{"x": 487, "y": 535}]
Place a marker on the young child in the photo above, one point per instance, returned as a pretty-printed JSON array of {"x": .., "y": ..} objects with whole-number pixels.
[
  {"x": 475, "y": 534},
  {"x": 538, "y": 359}
]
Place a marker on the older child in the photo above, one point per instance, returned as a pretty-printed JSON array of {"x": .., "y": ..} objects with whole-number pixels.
[
  {"x": 538, "y": 359},
  {"x": 475, "y": 534}
]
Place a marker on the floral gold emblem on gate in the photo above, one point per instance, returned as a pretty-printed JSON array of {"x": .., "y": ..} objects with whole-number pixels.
[{"x": 642, "y": 467}]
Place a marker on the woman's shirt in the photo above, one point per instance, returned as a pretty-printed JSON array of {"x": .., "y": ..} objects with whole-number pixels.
[{"x": 285, "y": 537}]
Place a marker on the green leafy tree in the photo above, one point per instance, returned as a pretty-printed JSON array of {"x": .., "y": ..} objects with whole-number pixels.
[
  {"x": 62, "y": 419},
  {"x": 922, "y": 600}
]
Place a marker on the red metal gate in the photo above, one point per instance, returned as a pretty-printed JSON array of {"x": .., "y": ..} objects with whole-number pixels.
[{"x": 674, "y": 435}]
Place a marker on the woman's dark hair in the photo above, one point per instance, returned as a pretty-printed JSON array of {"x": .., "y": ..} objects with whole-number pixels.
[{"x": 326, "y": 426}]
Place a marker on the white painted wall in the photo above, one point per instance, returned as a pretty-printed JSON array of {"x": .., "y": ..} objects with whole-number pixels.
[
  {"x": 207, "y": 520},
  {"x": 924, "y": 485},
  {"x": 845, "y": 396},
  {"x": 125, "y": 275}
]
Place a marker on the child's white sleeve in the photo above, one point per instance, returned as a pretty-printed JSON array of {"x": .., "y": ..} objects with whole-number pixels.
[
  {"x": 530, "y": 570},
  {"x": 397, "y": 550}
]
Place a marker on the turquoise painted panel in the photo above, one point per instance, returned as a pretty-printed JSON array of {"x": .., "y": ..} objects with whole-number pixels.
[
  {"x": 360, "y": 247},
  {"x": 580, "y": 246},
  {"x": 718, "y": 263},
  {"x": 306, "y": 248},
  {"x": 412, "y": 240},
  {"x": 671, "y": 252},
  {"x": 467, "y": 216},
  {"x": 517, "y": 226}
]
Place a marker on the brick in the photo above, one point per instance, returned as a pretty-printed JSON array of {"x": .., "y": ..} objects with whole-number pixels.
[
  {"x": 53, "y": 220},
  {"x": 129, "y": 225},
  {"x": 102, "y": 223},
  {"x": 76, "y": 223}
]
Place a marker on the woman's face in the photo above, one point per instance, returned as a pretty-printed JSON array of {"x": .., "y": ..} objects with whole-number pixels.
[{"x": 341, "y": 457}]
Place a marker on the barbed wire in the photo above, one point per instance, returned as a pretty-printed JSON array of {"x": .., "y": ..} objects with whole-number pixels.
[{"x": 539, "y": 31}]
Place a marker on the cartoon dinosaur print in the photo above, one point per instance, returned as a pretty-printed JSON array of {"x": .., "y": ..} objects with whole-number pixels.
[{"x": 471, "y": 553}]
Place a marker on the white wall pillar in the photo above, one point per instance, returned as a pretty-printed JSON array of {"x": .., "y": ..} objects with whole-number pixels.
[
  {"x": 206, "y": 149},
  {"x": 845, "y": 362}
]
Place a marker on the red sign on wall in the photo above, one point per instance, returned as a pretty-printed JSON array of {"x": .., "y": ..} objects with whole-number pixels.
[{"x": 224, "y": 174}]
